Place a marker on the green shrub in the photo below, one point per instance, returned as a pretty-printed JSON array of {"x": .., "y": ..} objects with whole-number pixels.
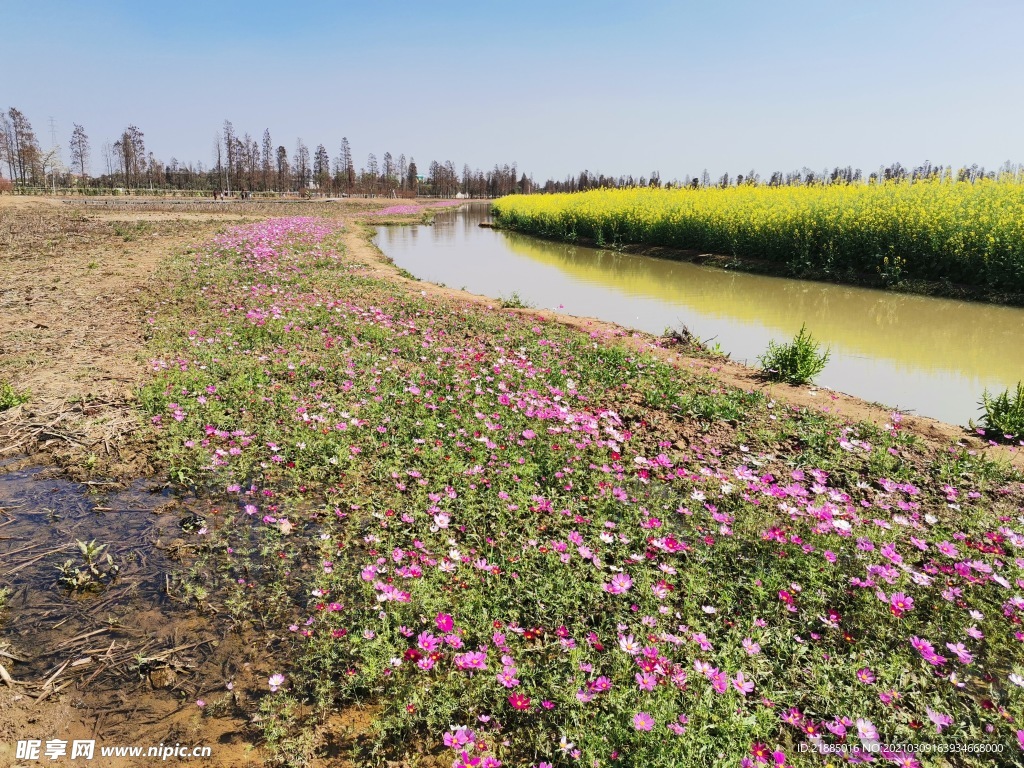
[
  {"x": 10, "y": 397},
  {"x": 1004, "y": 413},
  {"x": 515, "y": 301},
  {"x": 795, "y": 363}
]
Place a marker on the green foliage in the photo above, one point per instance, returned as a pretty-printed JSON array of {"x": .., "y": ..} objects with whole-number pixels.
[
  {"x": 10, "y": 397},
  {"x": 1004, "y": 413},
  {"x": 130, "y": 230},
  {"x": 514, "y": 301},
  {"x": 97, "y": 570},
  {"x": 795, "y": 363}
]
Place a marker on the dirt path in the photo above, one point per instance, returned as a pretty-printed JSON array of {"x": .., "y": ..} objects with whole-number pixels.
[{"x": 75, "y": 284}]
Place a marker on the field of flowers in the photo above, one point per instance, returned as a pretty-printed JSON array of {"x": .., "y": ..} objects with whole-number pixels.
[
  {"x": 963, "y": 233},
  {"x": 529, "y": 546}
]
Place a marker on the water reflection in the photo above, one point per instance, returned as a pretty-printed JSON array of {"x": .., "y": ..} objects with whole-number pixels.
[{"x": 933, "y": 356}]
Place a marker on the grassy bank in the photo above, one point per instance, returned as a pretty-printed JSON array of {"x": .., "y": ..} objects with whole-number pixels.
[
  {"x": 894, "y": 234},
  {"x": 525, "y": 545}
]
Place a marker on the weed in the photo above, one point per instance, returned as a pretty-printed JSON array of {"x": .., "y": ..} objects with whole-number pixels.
[
  {"x": 795, "y": 363},
  {"x": 130, "y": 230},
  {"x": 99, "y": 569},
  {"x": 1004, "y": 413},
  {"x": 514, "y": 301},
  {"x": 10, "y": 397}
]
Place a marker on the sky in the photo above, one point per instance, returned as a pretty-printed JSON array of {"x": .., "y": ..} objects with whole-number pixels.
[{"x": 557, "y": 87}]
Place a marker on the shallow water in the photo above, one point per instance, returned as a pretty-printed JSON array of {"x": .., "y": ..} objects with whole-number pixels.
[
  {"x": 925, "y": 355},
  {"x": 42, "y": 516}
]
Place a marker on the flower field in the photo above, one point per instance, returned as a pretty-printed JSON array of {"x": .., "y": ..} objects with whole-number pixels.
[
  {"x": 962, "y": 233},
  {"x": 531, "y": 546}
]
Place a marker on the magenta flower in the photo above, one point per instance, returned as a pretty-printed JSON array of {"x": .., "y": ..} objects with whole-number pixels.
[
  {"x": 741, "y": 684},
  {"x": 941, "y": 720},
  {"x": 472, "y": 660},
  {"x": 444, "y": 622},
  {"x": 646, "y": 681},
  {"x": 458, "y": 738},
  {"x": 865, "y": 675},
  {"x": 519, "y": 701},
  {"x": 643, "y": 721},
  {"x": 900, "y": 603}
]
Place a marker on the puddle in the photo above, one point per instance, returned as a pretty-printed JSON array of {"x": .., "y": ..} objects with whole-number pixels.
[
  {"x": 42, "y": 517},
  {"x": 125, "y": 662}
]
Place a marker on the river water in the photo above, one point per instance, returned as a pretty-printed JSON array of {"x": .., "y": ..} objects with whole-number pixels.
[{"x": 924, "y": 355}]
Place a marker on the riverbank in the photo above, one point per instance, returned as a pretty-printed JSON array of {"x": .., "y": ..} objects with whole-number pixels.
[
  {"x": 939, "y": 289},
  {"x": 424, "y": 511},
  {"x": 941, "y": 238}
]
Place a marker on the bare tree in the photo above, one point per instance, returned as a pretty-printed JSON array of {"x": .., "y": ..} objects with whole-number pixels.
[
  {"x": 24, "y": 147},
  {"x": 230, "y": 149},
  {"x": 322, "y": 167},
  {"x": 79, "y": 150},
  {"x": 345, "y": 162},
  {"x": 7, "y": 145},
  {"x": 130, "y": 150},
  {"x": 266, "y": 160},
  {"x": 301, "y": 164},
  {"x": 283, "y": 171}
]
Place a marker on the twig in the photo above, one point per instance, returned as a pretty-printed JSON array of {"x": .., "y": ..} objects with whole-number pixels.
[
  {"x": 36, "y": 559},
  {"x": 66, "y": 643}
]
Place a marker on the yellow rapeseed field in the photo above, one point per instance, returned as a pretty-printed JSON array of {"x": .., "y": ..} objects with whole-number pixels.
[{"x": 961, "y": 232}]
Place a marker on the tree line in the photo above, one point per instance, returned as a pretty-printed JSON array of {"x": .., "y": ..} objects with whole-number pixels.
[
  {"x": 244, "y": 165},
  {"x": 241, "y": 165},
  {"x": 805, "y": 176}
]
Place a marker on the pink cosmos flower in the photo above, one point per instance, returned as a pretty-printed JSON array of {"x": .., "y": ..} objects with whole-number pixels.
[
  {"x": 961, "y": 652},
  {"x": 719, "y": 681},
  {"x": 900, "y": 603},
  {"x": 276, "y": 681},
  {"x": 646, "y": 681},
  {"x": 444, "y": 622},
  {"x": 472, "y": 660},
  {"x": 741, "y": 684},
  {"x": 600, "y": 685},
  {"x": 460, "y": 737},
  {"x": 865, "y": 675},
  {"x": 620, "y": 583},
  {"x": 507, "y": 677},
  {"x": 643, "y": 721},
  {"x": 941, "y": 720}
]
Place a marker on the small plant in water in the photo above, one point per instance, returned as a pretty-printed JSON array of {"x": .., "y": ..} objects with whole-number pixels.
[
  {"x": 98, "y": 569},
  {"x": 1004, "y": 413},
  {"x": 795, "y": 363}
]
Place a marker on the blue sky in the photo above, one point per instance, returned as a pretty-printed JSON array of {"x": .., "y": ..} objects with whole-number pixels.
[{"x": 613, "y": 87}]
